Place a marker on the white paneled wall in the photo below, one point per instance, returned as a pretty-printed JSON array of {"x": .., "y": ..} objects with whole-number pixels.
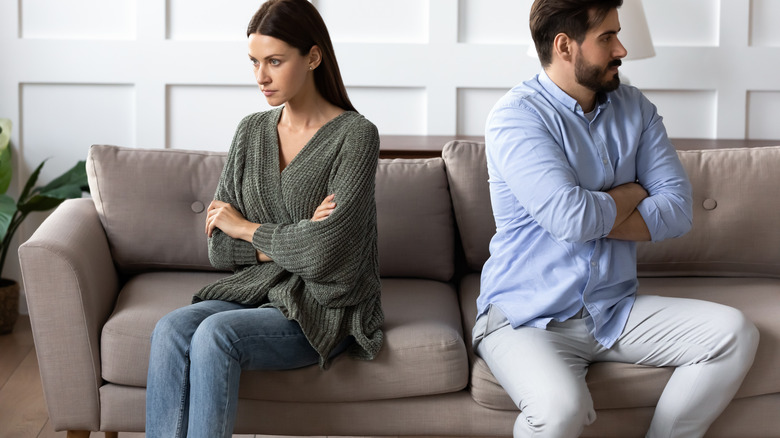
[{"x": 174, "y": 73}]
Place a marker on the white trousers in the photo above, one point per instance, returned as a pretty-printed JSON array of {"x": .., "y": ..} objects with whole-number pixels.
[{"x": 543, "y": 371}]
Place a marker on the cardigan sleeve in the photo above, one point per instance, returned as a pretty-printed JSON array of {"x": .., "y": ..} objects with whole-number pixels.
[
  {"x": 225, "y": 252},
  {"x": 332, "y": 255}
]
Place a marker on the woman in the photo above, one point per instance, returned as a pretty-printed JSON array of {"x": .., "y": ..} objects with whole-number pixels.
[{"x": 294, "y": 218}]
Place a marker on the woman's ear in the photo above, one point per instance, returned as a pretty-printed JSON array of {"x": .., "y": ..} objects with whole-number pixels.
[{"x": 315, "y": 57}]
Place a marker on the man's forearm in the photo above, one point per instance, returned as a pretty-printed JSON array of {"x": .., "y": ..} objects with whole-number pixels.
[
  {"x": 626, "y": 197},
  {"x": 633, "y": 228},
  {"x": 629, "y": 224}
]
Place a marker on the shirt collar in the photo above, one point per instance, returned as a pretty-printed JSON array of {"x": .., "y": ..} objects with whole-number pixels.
[{"x": 569, "y": 102}]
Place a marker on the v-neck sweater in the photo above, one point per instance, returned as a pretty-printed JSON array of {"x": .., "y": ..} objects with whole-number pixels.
[{"x": 324, "y": 274}]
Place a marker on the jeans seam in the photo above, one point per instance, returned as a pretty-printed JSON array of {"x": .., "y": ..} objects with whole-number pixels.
[
  {"x": 226, "y": 397},
  {"x": 184, "y": 395}
]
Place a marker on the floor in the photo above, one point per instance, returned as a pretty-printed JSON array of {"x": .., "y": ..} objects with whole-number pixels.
[{"x": 22, "y": 407}]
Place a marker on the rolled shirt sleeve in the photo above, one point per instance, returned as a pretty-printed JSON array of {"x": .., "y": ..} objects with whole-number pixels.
[{"x": 667, "y": 210}]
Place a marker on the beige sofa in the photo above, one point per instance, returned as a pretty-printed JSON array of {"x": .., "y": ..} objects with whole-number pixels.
[{"x": 100, "y": 272}]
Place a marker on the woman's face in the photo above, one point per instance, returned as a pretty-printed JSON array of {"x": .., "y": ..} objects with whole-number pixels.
[{"x": 280, "y": 69}]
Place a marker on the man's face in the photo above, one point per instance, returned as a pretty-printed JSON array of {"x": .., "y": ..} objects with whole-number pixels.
[{"x": 598, "y": 58}]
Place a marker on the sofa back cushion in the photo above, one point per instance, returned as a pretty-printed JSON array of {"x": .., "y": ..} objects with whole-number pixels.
[
  {"x": 414, "y": 216},
  {"x": 736, "y": 213},
  {"x": 152, "y": 204},
  {"x": 468, "y": 179}
]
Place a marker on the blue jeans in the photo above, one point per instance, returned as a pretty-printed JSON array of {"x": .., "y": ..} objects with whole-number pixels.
[{"x": 197, "y": 355}]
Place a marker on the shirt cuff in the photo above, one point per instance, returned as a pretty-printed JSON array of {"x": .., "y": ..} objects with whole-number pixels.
[
  {"x": 608, "y": 212},
  {"x": 653, "y": 219}
]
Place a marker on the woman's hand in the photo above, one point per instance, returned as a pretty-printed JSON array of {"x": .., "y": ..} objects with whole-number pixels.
[
  {"x": 225, "y": 217},
  {"x": 324, "y": 209}
]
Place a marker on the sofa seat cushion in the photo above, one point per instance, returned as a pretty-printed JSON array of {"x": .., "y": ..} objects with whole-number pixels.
[
  {"x": 617, "y": 385},
  {"x": 125, "y": 340},
  {"x": 757, "y": 298},
  {"x": 423, "y": 353}
]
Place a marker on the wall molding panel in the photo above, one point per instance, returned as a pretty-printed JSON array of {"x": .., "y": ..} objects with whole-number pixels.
[{"x": 175, "y": 74}]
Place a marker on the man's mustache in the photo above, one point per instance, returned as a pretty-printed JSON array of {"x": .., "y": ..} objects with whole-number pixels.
[{"x": 615, "y": 63}]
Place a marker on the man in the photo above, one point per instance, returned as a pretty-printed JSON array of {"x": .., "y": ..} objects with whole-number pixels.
[{"x": 580, "y": 169}]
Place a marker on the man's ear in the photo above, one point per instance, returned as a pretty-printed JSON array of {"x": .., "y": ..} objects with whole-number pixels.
[
  {"x": 563, "y": 47},
  {"x": 315, "y": 57}
]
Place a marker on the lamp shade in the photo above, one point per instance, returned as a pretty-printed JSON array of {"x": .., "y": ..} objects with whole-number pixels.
[{"x": 634, "y": 32}]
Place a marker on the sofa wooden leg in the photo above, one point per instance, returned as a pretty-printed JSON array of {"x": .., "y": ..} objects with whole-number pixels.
[{"x": 85, "y": 434}]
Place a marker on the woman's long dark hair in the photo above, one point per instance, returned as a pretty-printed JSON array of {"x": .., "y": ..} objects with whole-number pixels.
[{"x": 297, "y": 23}]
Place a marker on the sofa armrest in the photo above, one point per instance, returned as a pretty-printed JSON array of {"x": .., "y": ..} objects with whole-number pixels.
[{"x": 71, "y": 286}]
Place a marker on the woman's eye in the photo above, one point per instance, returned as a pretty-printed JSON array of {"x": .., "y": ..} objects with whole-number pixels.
[
  {"x": 274, "y": 61},
  {"x": 254, "y": 62}
]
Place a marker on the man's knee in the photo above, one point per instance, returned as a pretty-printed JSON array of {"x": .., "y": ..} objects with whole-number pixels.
[
  {"x": 564, "y": 416},
  {"x": 745, "y": 334}
]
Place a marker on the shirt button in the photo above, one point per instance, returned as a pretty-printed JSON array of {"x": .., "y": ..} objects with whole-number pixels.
[{"x": 605, "y": 161}]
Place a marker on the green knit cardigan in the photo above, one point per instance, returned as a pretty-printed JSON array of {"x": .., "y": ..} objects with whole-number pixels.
[{"x": 324, "y": 274}]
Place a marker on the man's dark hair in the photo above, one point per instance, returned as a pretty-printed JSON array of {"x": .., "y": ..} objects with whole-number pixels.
[{"x": 572, "y": 17}]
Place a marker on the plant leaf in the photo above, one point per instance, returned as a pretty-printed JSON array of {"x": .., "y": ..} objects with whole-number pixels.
[
  {"x": 31, "y": 183},
  {"x": 69, "y": 183},
  {"x": 7, "y": 211},
  {"x": 6, "y": 169},
  {"x": 39, "y": 203},
  {"x": 63, "y": 192}
]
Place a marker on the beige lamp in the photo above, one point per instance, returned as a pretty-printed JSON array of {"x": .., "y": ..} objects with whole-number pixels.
[{"x": 634, "y": 32}]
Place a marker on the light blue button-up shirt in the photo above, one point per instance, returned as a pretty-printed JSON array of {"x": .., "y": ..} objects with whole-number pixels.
[{"x": 549, "y": 169}]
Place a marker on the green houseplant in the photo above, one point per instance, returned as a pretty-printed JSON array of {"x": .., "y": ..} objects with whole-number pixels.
[{"x": 70, "y": 184}]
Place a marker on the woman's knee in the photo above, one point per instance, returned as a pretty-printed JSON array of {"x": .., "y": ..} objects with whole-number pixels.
[
  {"x": 213, "y": 335},
  {"x": 171, "y": 328}
]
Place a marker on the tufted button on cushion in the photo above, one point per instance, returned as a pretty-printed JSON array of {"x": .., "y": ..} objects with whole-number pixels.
[
  {"x": 709, "y": 204},
  {"x": 722, "y": 240},
  {"x": 197, "y": 207},
  {"x": 169, "y": 179}
]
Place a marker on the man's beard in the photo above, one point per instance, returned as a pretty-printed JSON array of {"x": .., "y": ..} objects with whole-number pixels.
[{"x": 589, "y": 76}]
